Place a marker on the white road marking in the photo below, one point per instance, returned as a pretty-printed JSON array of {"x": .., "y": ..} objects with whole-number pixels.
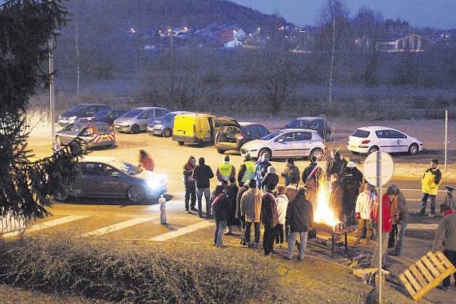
[
  {"x": 182, "y": 231},
  {"x": 422, "y": 226},
  {"x": 118, "y": 226},
  {"x": 47, "y": 224}
]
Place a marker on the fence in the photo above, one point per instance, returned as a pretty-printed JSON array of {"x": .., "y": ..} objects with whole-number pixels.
[{"x": 10, "y": 223}]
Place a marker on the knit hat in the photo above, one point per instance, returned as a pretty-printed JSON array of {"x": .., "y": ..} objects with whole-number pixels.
[
  {"x": 227, "y": 158},
  {"x": 435, "y": 161}
]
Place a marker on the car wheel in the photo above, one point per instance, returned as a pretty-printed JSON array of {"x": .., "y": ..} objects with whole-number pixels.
[
  {"x": 317, "y": 152},
  {"x": 61, "y": 194},
  {"x": 135, "y": 194},
  {"x": 373, "y": 149},
  {"x": 134, "y": 129},
  {"x": 180, "y": 143},
  {"x": 167, "y": 132},
  {"x": 220, "y": 151},
  {"x": 413, "y": 149},
  {"x": 264, "y": 152}
]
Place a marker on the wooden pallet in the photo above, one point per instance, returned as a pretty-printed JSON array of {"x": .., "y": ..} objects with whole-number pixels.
[{"x": 426, "y": 274}]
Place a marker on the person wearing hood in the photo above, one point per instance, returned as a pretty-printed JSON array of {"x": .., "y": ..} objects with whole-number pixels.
[
  {"x": 336, "y": 165},
  {"x": 250, "y": 206},
  {"x": 190, "y": 186},
  {"x": 246, "y": 170},
  {"x": 261, "y": 168},
  {"x": 225, "y": 171},
  {"x": 270, "y": 177}
]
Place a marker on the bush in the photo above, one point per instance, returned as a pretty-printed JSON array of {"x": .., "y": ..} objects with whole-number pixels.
[{"x": 123, "y": 272}]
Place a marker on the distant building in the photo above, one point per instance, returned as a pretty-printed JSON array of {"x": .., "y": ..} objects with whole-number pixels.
[{"x": 410, "y": 43}]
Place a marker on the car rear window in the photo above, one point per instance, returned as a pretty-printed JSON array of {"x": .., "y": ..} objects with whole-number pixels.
[
  {"x": 102, "y": 129},
  {"x": 361, "y": 133}
]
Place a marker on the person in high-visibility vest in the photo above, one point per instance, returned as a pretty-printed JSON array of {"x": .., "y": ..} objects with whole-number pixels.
[
  {"x": 246, "y": 170},
  {"x": 225, "y": 171},
  {"x": 430, "y": 182}
]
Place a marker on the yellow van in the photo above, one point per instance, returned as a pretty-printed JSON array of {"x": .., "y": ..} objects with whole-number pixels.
[{"x": 196, "y": 128}]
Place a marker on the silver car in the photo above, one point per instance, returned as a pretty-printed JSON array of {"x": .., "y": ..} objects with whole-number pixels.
[
  {"x": 163, "y": 126},
  {"x": 286, "y": 143},
  {"x": 110, "y": 177},
  {"x": 136, "y": 120},
  {"x": 94, "y": 133}
]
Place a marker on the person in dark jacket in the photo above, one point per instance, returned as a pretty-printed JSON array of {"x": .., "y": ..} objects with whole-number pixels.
[
  {"x": 202, "y": 175},
  {"x": 351, "y": 180},
  {"x": 189, "y": 183},
  {"x": 221, "y": 207},
  {"x": 269, "y": 219},
  {"x": 270, "y": 177},
  {"x": 232, "y": 191},
  {"x": 261, "y": 168},
  {"x": 336, "y": 165},
  {"x": 291, "y": 173},
  {"x": 239, "y": 215},
  {"x": 336, "y": 196},
  {"x": 300, "y": 219},
  {"x": 445, "y": 239}
]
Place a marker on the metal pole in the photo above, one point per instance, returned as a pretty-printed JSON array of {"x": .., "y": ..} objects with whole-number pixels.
[
  {"x": 446, "y": 139},
  {"x": 51, "y": 89},
  {"x": 380, "y": 225}
]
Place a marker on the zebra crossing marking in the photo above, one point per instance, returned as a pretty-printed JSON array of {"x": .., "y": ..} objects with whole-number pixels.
[
  {"x": 47, "y": 224},
  {"x": 118, "y": 226},
  {"x": 189, "y": 229}
]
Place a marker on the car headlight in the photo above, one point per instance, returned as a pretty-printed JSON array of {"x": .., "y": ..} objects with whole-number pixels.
[
  {"x": 156, "y": 183},
  {"x": 72, "y": 118},
  {"x": 125, "y": 123}
]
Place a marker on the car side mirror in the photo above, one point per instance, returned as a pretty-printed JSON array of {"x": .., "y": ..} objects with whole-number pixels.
[{"x": 280, "y": 140}]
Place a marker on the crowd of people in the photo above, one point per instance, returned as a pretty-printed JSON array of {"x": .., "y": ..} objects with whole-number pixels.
[{"x": 252, "y": 196}]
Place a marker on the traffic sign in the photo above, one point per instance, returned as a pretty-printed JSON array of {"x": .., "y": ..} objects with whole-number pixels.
[{"x": 378, "y": 168}]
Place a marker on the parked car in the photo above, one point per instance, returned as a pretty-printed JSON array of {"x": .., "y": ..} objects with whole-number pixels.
[
  {"x": 286, "y": 143},
  {"x": 163, "y": 126},
  {"x": 94, "y": 133},
  {"x": 233, "y": 135},
  {"x": 136, "y": 120},
  {"x": 109, "y": 115},
  {"x": 80, "y": 110},
  {"x": 370, "y": 139},
  {"x": 197, "y": 128},
  {"x": 110, "y": 177},
  {"x": 315, "y": 123}
]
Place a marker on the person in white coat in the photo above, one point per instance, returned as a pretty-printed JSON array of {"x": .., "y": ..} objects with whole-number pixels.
[
  {"x": 282, "y": 204},
  {"x": 363, "y": 212}
]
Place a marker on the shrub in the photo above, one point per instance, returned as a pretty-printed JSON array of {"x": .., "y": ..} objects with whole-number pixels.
[{"x": 157, "y": 273}]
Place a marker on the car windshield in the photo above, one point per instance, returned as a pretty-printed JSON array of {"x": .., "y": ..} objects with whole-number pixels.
[
  {"x": 167, "y": 117},
  {"x": 271, "y": 135},
  {"x": 125, "y": 167},
  {"x": 133, "y": 113},
  {"x": 102, "y": 113},
  {"x": 77, "y": 108}
]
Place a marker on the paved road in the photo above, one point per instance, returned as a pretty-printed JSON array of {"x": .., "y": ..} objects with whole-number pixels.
[{"x": 117, "y": 219}]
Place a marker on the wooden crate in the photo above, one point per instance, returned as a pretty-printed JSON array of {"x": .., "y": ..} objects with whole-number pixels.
[{"x": 426, "y": 274}]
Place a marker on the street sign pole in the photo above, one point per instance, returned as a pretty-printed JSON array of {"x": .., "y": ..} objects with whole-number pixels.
[{"x": 378, "y": 170}]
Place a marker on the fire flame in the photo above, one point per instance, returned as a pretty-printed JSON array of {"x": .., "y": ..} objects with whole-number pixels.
[{"x": 323, "y": 213}]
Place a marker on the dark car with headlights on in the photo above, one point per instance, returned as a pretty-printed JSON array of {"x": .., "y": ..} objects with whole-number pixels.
[
  {"x": 95, "y": 134},
  {"x": 80, "y": 110},
  {"x": 110, "y": 177},
  {"x": 233, "y": 135}
]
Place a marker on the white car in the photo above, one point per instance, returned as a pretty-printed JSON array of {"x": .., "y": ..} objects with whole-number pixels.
[
  {"x": 370, "y": 139},
  {"x": 285, "y": 143}
]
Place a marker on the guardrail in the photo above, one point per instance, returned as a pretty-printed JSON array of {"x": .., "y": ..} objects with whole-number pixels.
[{"x": 10, "y": 223}]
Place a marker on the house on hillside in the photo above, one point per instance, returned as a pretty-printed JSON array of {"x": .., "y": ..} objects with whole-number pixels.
[{"x": 409, "y": 43}]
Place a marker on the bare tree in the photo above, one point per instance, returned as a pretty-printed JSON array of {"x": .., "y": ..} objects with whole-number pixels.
[{"x": 335, "y": 27}]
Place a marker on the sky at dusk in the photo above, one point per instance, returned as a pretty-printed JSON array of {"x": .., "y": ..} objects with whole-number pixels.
[{"x": 437, "y": 14}]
